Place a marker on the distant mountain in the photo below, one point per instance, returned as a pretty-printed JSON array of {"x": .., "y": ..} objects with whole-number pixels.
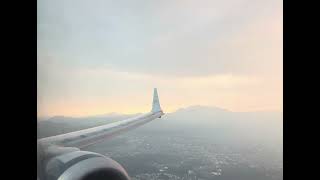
[
  {"x": 200, "y": 115},
  {"x": 238, "y": 127},
  {"x": 190, "y": 121},
  {"x": 196, "y": 113}
]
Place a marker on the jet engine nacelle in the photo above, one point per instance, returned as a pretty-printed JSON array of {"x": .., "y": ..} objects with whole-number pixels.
[{"x": 83, "y": 165}]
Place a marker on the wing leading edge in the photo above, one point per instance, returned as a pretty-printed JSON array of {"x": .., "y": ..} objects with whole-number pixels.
[{"x": 93, "y": 135}]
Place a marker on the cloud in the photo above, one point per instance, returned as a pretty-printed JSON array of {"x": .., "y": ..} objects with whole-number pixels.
[
  {"x": 179, "y": 38},
  {"x": 95, "y": 55}
]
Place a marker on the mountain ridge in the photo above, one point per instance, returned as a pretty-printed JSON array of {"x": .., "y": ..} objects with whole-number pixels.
[{"x": 212, "y": 109}]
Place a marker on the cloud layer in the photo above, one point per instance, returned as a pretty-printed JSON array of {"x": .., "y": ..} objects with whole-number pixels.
[{"x": 97, "y": 50}]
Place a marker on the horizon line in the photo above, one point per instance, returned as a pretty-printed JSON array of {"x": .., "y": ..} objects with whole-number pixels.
[{"x": 173, "y": 111}]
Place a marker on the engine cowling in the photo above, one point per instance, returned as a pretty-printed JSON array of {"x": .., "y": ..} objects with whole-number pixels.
[{"x": 84, "y": 165}]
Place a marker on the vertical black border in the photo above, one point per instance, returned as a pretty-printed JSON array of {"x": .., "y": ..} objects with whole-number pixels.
[
  {"x": 19, "y": 89},
  {"x": 300, "y": 90}
]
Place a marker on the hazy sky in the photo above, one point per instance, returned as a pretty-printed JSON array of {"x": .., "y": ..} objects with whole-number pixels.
[{"x": 100, "y": 56}]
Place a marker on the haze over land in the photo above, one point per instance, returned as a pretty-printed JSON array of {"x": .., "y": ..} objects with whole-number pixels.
[
  {"x": 200, "y": 119},
  {"x": 194, "y": 142}
]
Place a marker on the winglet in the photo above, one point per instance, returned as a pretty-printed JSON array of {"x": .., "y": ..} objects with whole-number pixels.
[{"x": 155, "y": 103}]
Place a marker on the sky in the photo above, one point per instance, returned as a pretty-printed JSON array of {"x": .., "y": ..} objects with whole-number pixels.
[{"x": 102, "y": 56}]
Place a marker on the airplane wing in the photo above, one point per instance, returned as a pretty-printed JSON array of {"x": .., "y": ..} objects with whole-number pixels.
[
  {"x": 90, "y": 136},
  {"x": 57, "y": 146}
]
